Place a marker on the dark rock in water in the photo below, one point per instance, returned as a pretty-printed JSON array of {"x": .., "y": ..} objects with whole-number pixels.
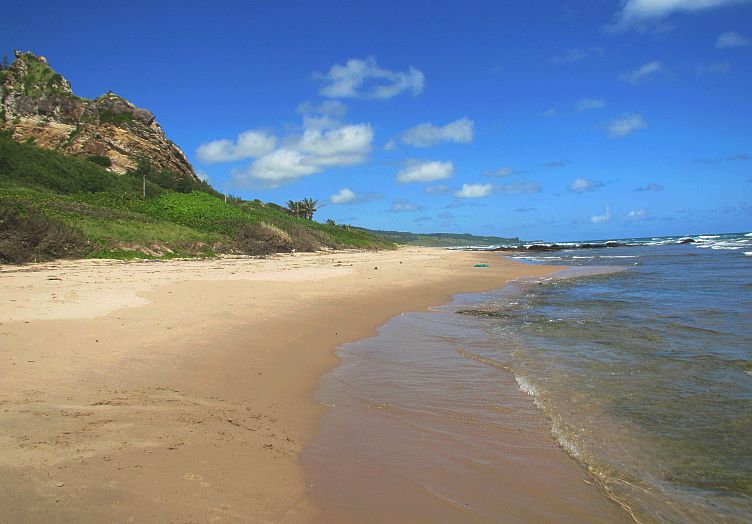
[
  {"x": 545, "y": 247},
  {"x": 686, "y": 241}
]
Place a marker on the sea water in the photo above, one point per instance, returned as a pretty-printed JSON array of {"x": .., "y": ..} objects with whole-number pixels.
[{"x": 619, "y": 388}]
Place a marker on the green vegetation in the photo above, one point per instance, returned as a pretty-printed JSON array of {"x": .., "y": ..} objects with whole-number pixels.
[
  {"x": 117, "y": 118},
  {"x": 442, "y": 239},
  {"x": 40, "y": 79},
  {"x": 54, "y": 206}
]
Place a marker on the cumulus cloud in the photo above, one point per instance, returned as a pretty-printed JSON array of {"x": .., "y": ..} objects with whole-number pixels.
[
  {"x": 311, "y": 152},
  {"x": 641, "y": 73},
  {"x": 625, "y": 125},
  {"x": 576, "y": 55},
  {"x": 637, "y": 214},
  {"x": 642, "y": 13},
  {"x": 474, "y": 191},
  {"x": 605, "y": 217},
  {"x": 582, "y": 185},
  {"x": 343, "y": 196},
  {"x": 249, "y": 144},
  {"x": 589, "y": 104},
  {"x": 425, "y": 135},
  {"x": 365, "y": 79},
  {"x": 428, "y": 171},
  {"x": 650, "y": 187},
  {"x": 732, "y": 39},
  {"x": 402, "y": 205}
]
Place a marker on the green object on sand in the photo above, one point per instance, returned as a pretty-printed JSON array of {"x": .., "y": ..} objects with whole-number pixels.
[{"x": 480, "y": 265}]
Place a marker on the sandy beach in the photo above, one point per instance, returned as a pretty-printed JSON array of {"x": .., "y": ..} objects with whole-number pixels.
[{"x": 183, "y": 391}]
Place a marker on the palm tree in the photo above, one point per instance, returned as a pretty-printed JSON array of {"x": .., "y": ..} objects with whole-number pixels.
[
  {"x": 308, "y": 207},
  {"x": 294, "y": 207}
]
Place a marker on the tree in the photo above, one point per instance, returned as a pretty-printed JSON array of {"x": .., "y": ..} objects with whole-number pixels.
[
  {"x": 4, "y": 64},
  {"x": 309, "y": 207},
  {"x": 294, "y": 207}
]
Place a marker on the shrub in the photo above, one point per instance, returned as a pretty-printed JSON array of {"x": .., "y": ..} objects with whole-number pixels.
[
  {"x": 262, "y": 239},
  {"x": 100, "y": 160},
  {"x": 30, "y": 237}
]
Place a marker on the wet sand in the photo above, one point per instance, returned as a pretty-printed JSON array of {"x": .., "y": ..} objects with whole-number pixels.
[{"x": 183, "y": 391}]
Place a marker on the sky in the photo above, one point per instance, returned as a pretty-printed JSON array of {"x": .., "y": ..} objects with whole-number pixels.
[{"x": 543, "y": 120}]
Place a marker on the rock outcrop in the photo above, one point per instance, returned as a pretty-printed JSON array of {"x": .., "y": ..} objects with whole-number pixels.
[{"x": 37, "y": 105}]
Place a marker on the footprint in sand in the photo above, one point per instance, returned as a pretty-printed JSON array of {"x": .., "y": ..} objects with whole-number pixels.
[{"x": 191, "y": 476}]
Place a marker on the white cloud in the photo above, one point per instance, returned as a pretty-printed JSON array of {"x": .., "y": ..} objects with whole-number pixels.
[
  {"x": 550, "y": 113},
  {"x": 732, "y": 39},
  {"x": 638, "y": 13},
  {"x": 638, "y": 75},
  {"x": 248, "y": 145},
  {"x": 427, "y": 171},
  {"x": 312, "y": 152},
  {"x": 202, "y": 175},
  {"x": 581, "y": 185},
  {"x": 365, "y": 79},
  {"x": 625, "y": 125},
  {"x": 389, "y": 146},
  {"x": 343, "y": 196},
  {"x": 605, "y": 217},
  {"x": 474, "y": 191},
  {"x": 424, "y": 135},
  {"x": 588, "y": 104},
  {"x": 637, "y": 214}
]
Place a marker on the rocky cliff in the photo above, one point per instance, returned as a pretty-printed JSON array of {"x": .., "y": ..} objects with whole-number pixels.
[{"x": 38, "y": 105}]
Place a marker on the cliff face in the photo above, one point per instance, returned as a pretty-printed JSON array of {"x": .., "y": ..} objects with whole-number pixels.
[{"x": 37, "y": 104}]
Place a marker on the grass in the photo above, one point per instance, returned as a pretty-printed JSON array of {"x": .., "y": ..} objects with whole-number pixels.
[{"x": 104, "y": 216}]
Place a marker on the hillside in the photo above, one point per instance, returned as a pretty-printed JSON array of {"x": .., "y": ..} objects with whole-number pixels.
[
  {"x": 38, "y": 106},
  {"x": 443, "y": 239},
  {"x": 57, "y": 206}
]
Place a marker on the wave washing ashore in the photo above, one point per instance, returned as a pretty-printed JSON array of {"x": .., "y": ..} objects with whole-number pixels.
[{"x": 639, "y": 360}]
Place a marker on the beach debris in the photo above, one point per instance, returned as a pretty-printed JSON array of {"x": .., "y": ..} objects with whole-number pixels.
[
  {"x": 59, "y": 484},
  {"x": 480, "y": 265}
]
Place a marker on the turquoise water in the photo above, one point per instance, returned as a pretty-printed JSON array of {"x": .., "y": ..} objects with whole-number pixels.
[{"x": 645, "y": 373}]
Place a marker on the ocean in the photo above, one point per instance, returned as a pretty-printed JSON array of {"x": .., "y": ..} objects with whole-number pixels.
[{"x": 624, "y": 382}]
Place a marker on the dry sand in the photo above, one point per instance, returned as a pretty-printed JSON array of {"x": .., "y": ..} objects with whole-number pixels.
[{"x": 182, "y": 391}]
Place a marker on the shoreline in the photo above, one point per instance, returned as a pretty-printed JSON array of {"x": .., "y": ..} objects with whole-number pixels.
[{"x": 192, "y": 397}]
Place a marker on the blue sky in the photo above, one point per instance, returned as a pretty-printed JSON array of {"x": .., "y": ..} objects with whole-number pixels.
[{"x": 556, "y": 121}]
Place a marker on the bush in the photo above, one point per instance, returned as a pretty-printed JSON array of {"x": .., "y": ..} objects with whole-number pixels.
[
  {"x": 31, "y": 237},
  {"x": 100, "y": 160},
  {"x": 262, "y": 239}
]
